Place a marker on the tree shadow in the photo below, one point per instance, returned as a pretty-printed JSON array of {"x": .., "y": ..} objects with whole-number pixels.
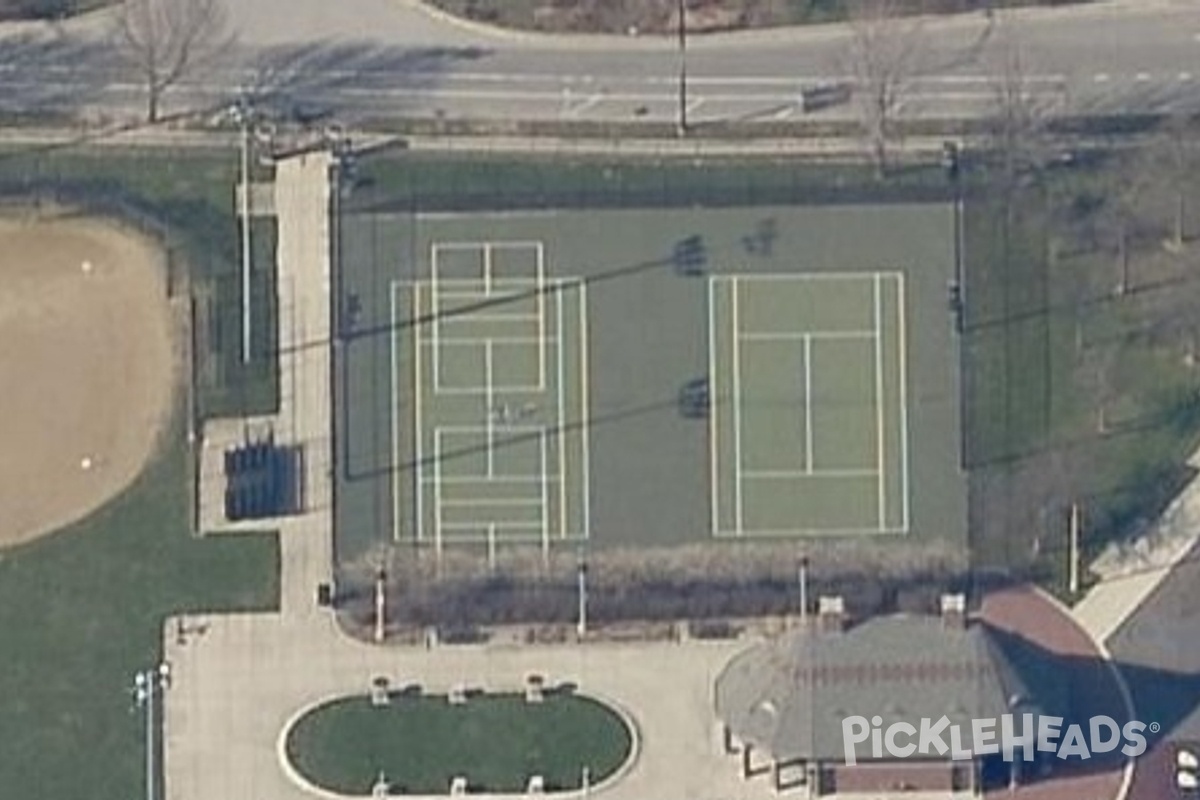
[
  {"x": 306, "y": 84},
  {"x": 52, "y": 76}
]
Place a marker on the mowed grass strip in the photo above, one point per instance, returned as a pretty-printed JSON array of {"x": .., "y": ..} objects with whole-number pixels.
[{"x": 496, "y": 741}]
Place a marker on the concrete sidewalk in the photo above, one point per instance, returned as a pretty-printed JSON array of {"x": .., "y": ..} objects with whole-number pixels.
[{"x": 1129, "y": 572}]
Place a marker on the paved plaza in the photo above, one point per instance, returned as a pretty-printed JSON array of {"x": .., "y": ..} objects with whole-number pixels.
[{"x": 237, "y": 680}]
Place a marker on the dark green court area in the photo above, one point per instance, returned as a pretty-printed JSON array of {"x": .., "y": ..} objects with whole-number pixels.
[
  {"x": 647, "y": 377},
  {"x": 497, "y": 742}
]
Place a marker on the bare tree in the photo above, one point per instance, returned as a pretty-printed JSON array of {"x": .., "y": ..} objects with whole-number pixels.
[
  {"x": 1170, "y": 159},
  {"x": 1018, "y": 122},
  {"x": 1121, "y": 213},
  {"x": 164, "y": 40},
  {"x": 881, "y": 61}
]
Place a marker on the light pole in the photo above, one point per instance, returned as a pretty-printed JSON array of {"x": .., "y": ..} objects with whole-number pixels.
[
  {"x": 682, "y": 121},
  {"x": 802, "y": 570},
  {"x": 581, "y": 576},
  {"x": 243, "y": 114},
  {"x": 380, "y": 603},
  {"x": 147, "y": 685}
]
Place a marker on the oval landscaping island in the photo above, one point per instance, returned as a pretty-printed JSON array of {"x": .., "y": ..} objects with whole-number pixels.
[{"x": 420, "y": 743}]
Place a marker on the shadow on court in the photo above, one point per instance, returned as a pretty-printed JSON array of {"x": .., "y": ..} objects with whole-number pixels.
[{"x": 687, "y": 260}]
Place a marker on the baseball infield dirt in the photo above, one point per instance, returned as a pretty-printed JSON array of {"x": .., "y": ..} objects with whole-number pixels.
[{"x": 86, "y": 367}]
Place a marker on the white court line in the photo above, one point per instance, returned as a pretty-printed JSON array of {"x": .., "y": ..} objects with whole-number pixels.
[
  {"x": 794, "y": 336},
  {"x": 533, "y": 527},
  {"x": 585, "y": 420},
  {"x": 436, "y": 317},
  {"x": 793, "y": 474},
  {"x": 561, "y": 424},
  {"x": 879, "y": 416},
  {"x": 395, "y": 416},
  {"x": 902, "y": 315},
  {"x": 452, "y": 531},
  {"x": 791, "y": 533},
  {"x": 540, "y": 274},
  {"x": 418, "y": 425},
  {"x": 472, "y": 341},
  {"x": 808, "y": 416},
  {"x": 521, "y": 480},
  {"x": 768, "y": 277},
  {"x": 466, "y": 284},
  {"x": 481, "y": 502},
  {"x": 714, "y": 458},
  {"x": 437, "y": 493},
  {"x": 737, "y": 408},
  {"x": 489, "y": 408},
  {"x": 487, "y": 269},
  {"x": 514, "y": 244},
  {"x": 517, "y": 244},
  {"x": 545, "y": 502}
]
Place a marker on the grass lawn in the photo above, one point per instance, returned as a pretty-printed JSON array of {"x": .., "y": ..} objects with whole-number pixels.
[
  {"x": 404, "y": 181},
  {"x": 82, "y": 610},
  {"x": 191, "y": 193},
  {"x": 1076, "y": 393},
  {"x": 497, "y": 741},
  {"x": 657, "y": 17}
]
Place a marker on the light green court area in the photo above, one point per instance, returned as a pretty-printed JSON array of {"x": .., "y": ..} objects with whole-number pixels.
[
  {"x": 489, "y": 395},
  {"x": 808, "y": 418}
]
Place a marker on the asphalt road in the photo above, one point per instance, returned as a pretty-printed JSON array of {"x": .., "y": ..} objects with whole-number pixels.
[{"x": 369, "y": 57}]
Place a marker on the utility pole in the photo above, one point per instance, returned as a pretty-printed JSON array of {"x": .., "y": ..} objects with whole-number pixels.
[
  {"x": 581, "y": 577},
  {"x": 380, "y": 603},
  {"x": 147, "y": 684},
  {"x": 681, "y": 128},
  {"x": 803, "y": 576},
  {"x": 1073, "y": 550},
  {"x": 242, "y": 113}
]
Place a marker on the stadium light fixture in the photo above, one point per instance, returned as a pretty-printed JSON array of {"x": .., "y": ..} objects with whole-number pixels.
[{"x": 147, "y": 685}]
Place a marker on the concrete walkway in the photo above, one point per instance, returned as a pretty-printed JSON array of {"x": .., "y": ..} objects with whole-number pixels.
[
  {"x": 304, "y": 417},
  {"x": 239, "y": 679},
  {"x": 302, "y": 201},
  {"x": 1129, "y": 573}
]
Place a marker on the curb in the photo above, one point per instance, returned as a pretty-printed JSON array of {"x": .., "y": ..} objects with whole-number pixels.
[
  {"x": 778, "y": 34},
  {"x": 1114, "y": 670}
]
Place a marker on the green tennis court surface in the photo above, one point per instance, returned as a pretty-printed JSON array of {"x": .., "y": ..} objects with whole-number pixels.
[
  {"x": 496, "y": 366},
  {"x": 529, "y": 380},
  {"x": 808, "y": 430}
]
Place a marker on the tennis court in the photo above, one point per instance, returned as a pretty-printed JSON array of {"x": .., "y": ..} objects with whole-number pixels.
[
  {"x": 523, "y": 382},
  {"x": 489, "y": 388},
  {"x": 808, "y": 428}
]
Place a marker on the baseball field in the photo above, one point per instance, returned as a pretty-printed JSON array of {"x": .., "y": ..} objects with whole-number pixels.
[
  {"x": 96, "y": 543},
  {"x": 88, "y": 364}
]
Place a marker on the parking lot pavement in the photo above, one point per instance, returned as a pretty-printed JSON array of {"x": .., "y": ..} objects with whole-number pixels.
[{"x": 1158, "y": 649}]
